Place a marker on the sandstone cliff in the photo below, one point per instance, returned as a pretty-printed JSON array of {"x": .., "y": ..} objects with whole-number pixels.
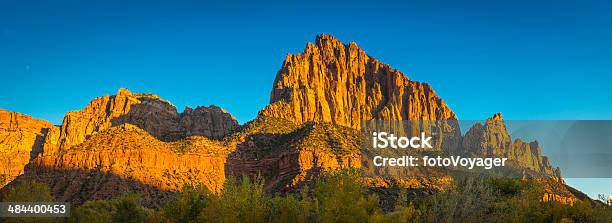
[
  {"x": 21, "y": 139},
  {"x": 147, "y": 111}
]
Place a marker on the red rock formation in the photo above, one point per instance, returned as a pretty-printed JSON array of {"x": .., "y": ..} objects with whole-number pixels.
[{"x": 21, "y": 139}]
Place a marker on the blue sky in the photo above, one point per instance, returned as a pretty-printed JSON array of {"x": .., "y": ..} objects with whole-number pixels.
[{"x": 526, "y": 59}]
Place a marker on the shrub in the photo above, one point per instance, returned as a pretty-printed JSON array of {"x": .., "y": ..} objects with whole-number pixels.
[
  {"x": 124, "y": 209},
  {"x": 94, "y": 211},
  {"x": 288, "y": 209},
  {"x": 404, "y": 211},
  {"x": 340, "y": 197},
  {"x": 238, "y": 202},
  {"x": 187, "y": 206},
  {"x": 129, "y": 209}
]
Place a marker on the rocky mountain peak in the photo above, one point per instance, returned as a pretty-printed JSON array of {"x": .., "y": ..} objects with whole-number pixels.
[{"x": 339, "y": 83}]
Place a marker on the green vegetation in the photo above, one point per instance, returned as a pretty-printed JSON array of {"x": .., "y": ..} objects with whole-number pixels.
[
  {"x": 126, "y": 208},
  {"x": 338, "y": 197}
]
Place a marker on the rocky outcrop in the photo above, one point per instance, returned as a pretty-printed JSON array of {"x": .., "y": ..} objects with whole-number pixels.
[
  {"x": 212, "y": 121},
  {"x": 493, "y": 140},
  {"x": 21, "y": 139},
  {"x": 147, "y": 111},
  {"x": 337, "y": 83}
]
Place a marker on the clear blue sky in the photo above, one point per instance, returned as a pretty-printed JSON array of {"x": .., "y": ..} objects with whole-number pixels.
[{"x": 527, "y": 59}]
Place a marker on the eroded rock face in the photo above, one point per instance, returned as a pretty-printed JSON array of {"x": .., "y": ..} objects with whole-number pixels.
[
  {"x": 337, "y": 83},
  {"x": 493, "y": 140},
  {"x": 147, "y": 111},
  {"x": 21, "y": 139}
]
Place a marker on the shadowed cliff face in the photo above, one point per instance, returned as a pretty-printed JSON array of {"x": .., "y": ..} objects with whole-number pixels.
[
  {"x": 21, "y": 139},
  {"x": 147, "y": 111}
]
